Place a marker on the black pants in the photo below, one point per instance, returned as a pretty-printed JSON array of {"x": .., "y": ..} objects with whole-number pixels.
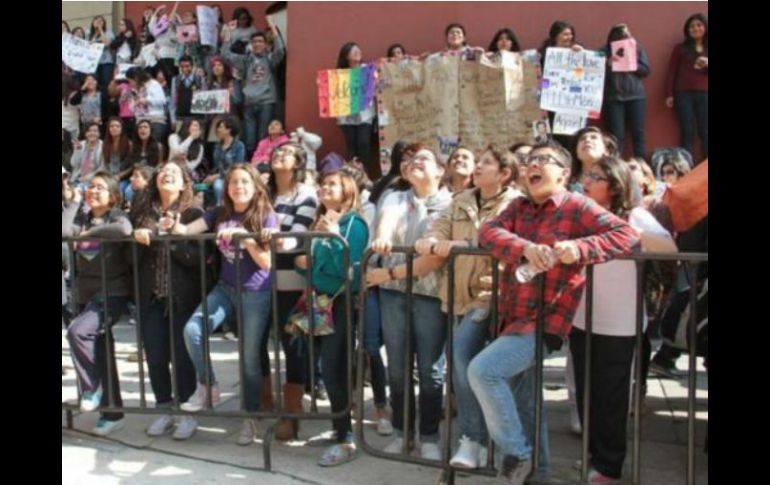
[
  {"x": 334, "y": 365},
  {"x": 156, "y": 337},
  {"x": 294, "y": 346},
  {"x": 611, "y": 359},
  {"x": 692, "y": 108},
  {"x": 358, "y": 140}
]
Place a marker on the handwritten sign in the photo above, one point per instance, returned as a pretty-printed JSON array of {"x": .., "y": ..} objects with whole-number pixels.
[
  {"x": 567, "y": 124},
  {"x": 122, "y": 70},
  {"x": 573, "y": 82},
  {"x": 343, "y": 92},
  {"x": 80, "y": 55},
  {"x": 624, "y": 55},
  {"x": 213, "y": 101},
  {"x": 449, "y": 101},
  {"x": 207, "y": 25}
]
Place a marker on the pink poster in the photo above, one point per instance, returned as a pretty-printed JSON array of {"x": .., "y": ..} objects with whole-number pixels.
[{"x": 623, "y": 55}]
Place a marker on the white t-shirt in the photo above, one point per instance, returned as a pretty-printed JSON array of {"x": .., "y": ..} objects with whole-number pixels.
[{"x": 615, "y": 287}]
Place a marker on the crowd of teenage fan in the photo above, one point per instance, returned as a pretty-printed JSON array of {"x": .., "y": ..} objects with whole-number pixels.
[{"x": 137, "y": 162}]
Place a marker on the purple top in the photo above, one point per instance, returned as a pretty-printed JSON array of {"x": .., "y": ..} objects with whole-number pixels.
[{"x": 253, "y": 277}]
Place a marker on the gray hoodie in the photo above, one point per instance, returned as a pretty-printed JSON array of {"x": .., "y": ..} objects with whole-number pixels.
[{"x": 258, "y": 72}]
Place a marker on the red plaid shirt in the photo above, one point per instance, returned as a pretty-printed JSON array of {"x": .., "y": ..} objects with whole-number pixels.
[{"x": 599, "y": 234}]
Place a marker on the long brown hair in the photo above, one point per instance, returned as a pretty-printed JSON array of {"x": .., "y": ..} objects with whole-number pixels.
[
  {"x": 351, "y": 199},
  {"x": 259, "y": 207},
  {"x": 124, "y": 144},
  {"x": 620, "y": 183},
  {"x": 147, "y": 209}
]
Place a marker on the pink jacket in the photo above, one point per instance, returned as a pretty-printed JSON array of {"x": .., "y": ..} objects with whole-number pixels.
[{"x": 265, "y": 148}]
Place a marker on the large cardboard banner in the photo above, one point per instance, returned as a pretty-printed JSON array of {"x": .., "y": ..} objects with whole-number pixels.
[
  {"x": 80, "y": 55},
  {"x": 446, "y": 101},
  {"x": 343, "y": 92},
  {"x": 498, "y": 101},
  {"x": 573, "y": 82}
]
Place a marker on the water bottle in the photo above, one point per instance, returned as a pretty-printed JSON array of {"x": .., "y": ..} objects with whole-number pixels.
[{"x": 526, "y": 273}]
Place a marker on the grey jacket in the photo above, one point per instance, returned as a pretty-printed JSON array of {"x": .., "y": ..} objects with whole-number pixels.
[{"x": 258, "y": 73}]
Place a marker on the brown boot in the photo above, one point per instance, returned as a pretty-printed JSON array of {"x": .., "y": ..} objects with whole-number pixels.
[
  {"x": 287, "y": 429},
  {"x": 266, "y": 396}
]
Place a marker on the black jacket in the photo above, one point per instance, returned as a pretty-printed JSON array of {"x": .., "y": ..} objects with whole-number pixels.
[
  {"x": 627, "y": 86},
  {"x": 185, "y": 268}
]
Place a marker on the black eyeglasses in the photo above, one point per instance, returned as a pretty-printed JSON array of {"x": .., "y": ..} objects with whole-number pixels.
[{"x": 543, "y": 159}]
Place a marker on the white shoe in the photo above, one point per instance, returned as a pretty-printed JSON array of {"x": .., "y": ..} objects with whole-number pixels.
[
  {"x": 185, "y": 428},
  {"x": 384, "y": 427},
  {"x": 104, "y": 427},
  {"x": 468, "y": 455},
  {"x": 248, "y": 432},
  {"x": 395, "y": 447},
  {"x": 430, "y": 451},
  {"x": 230, "y": 336},
  {"x": 160, "y": 426},
  {"x": 198, "y": 400}
]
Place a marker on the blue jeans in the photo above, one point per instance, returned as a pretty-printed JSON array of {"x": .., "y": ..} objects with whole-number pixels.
[
  {"x": 372, "y": 344},
  {"x": 428, "y": 337},
  {"x": 219, "y": 189},
  {"x": 221, "y": 303},
  {"x": 255, "y": 121},
  {"x": 509, "y": 407},
  {"x": 470, "y": 335},
  {"x": 692, "y": 108},
  {"x": 128, "y": 193},
  {"x": 617, "y": 113}
]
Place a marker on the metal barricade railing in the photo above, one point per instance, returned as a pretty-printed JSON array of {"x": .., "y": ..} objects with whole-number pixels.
[
  {"x": 690, "y": 262},
  {"x": 209, "y": 410}
]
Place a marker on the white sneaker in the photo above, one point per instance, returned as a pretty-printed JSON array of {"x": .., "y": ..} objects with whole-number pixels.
[
  {"x": 198, "y": 400},
  {"x": 395, "y": 447},
  {"x": 430, "y": 451},
  {"x": 90, "y": 401},
  {"x": 468, "y": 455},
  {"x": 230, "y": 336},
  {"x": 248, "y": 432},
  {"x": 185, "y": 428},
  {"x": 160, "y": 426},
  {"x": 384, "y": 427},
  {"x": 104, "y": 427}
]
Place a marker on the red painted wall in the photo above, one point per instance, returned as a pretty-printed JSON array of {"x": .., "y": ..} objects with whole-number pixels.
[
  {"x": 134, "y": 10},
  {"x": 318, "y": 29}
]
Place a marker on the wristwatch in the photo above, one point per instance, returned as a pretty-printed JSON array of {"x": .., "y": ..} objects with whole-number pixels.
[{"x": 392, "y": 274}]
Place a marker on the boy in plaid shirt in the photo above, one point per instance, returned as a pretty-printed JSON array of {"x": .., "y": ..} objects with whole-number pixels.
[{"x": 558, "y": 232}]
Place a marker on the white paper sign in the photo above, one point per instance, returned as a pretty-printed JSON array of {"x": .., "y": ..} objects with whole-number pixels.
[
  {"x": 568, "y": 124},
  {"x": 214, "y": 101},
  {"x": 122, "y": 70},
  {"x": 573, "y": 81},
  {"x": 79, "y": 54},
  {"x": 207, "y": 25}
]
